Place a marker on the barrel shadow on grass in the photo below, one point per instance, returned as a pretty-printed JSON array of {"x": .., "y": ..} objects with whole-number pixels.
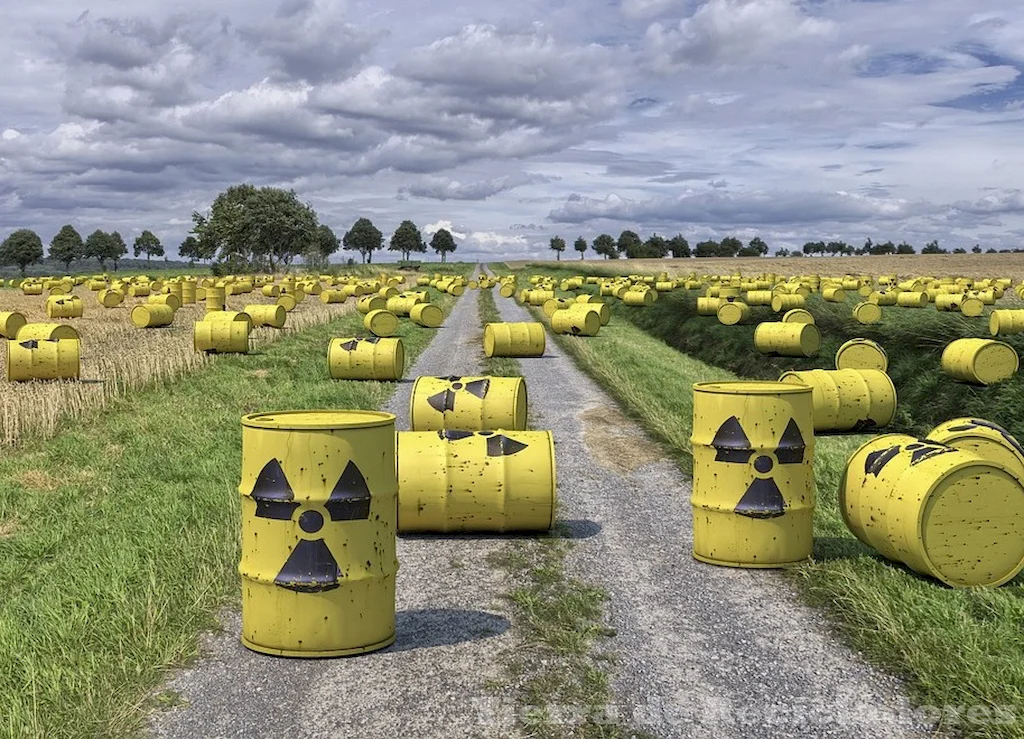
[{"x": 439, "y": 627}]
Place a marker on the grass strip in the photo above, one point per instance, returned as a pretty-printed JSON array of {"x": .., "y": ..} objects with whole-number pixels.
[
  {"x": 959, "y": 650},
  {"x": 119, "y": 538},
  {"x": 496, "y": 366}
]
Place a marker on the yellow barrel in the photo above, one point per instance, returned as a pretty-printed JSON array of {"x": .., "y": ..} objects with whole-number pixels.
[
  {"x": 709, "y": 306},
  {"x": 942, "y": 511},
  {"x": 753, "y": 476},
  {"x": 949, "y": 301},
  {"x": 550, "y": 306},
  {"x": 287, "y": 302},
  {"x": 972, "y": 307},
  {"x": 980, "y": 361},
  {"x": 507, "y": 290},
  {"x": 271, "y": 315},
  {"x": 867, "y": 313},
  {"x": 427, "y": 315},
  {"x": 139, "y": 290},
  {"x": 48, "y": 331},
  {"x": 604, "y": 313},
  {"x": 848, "y": 399},
  {"x": 639, "y": 298},
  {"x": 152, "y": 315},
  {"x": 732, "y": 313},
  {"x": 110, "y": 298},
  {"x": 381, "y": 322},
  {"x": 909, "y": 299},
  {"x": 188, "y": 292},
  {"x": 43, "y": 359},
  {"x": 422, "y": 280},
  {"x": 318, "y": 560},
  {"x": 270, "y": 291},
  {"x": 797, "y": 315},
  {"x": 539, "y": 297},
  {"x": 577, "y": 323},
  {"x": 215, "y": 299},
  {"x": 366, "y": 359},
  {"x": 401, "y": 306},
  {"x": 329, "y": 297},
  {"x": 514, "y": 339},
  {"x": 1006, "y": 322},
  {"x": 10, "y": 323},
  {"x": 369, "y": 303},
  {"x": 986, "y": 439},
  {"x": 759, "y": 297},
  {"x": 31, "y": 288},
  {"x": 169, "y": 299},
  {"x": 221, "y": 337},
  {"x": 468, "y": 403},
  {"x": 883, "y": 297},
  {"x": 834, "y": 294},
  {"x": 64, "y": 306},
  {"x": 862, "y": 354},
  {"x": 787, "y": 339},
  {"x": 782, "y": 302},
  {"x": 499, "y": 480}
]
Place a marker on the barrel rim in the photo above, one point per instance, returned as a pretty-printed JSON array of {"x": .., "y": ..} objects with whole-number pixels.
[
  {"x": 261, "y": 420},
  {"x": 750, "y": 387}
]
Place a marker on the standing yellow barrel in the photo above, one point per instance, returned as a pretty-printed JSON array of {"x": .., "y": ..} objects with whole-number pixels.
[
  {"x": 64, "y": 306},
  {"x": 215, "y": 297},
  {"x": 47, "y": 331},
  {"x": 500, "y": 480},
  {"x": 110, "y": 298},
  {"x": 10, "y": 323},
  {"x": 848, "y": 399},
  {"x": 152, "y": 315},
  {"x": 366, "y": 359},
  {"x": 272, "y": 315},
  {"x": 980, "y": 361},
  {"x": 318, "y": 560},
  {"x": 942, "y": 511},
  {"x": 787, "y": 339},
  {"x": 427, "y": 315},
  {"x": 783, "y": 302},
  {"x": 730, "y": 314},
  {"x": 188, "y": 292},
  {"x": 381, "y": 322},
  {"x": 639, "y": 298},
  {"x": 753, "y": 477},
  {"x": 862, "y": 354},
  {"x": 287, "y": 302},
  {"x": 797, "y": 315},
  {"x": 468, "y": 403},
  {"x": 1006, "y": 322},
  {"x": 169, "y": 299},
  {"x": 577, "y": 323},
  {"x": 867, "y": 312},
  {"x": 986, "y": 439},
  {"x": 331, "y": 297},
  {"x": 43, "y": 359},
  {"x": 514, "y": 339},
  {"x": 221, "y": 337}
]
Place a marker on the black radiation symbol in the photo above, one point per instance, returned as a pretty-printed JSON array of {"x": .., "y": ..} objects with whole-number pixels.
[
  {"x": 972, "y": 423},
  {"x": 920, "y": 450},
  {"x": 445, "y": 400},
  {"x": 351, "y": 345},
  {"x": 763, "y": 499},
  {"x": 310, "y": 568},
  {"x": 498, "y": 445}
]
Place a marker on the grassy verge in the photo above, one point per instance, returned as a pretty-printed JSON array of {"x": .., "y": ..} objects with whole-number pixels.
[
  {"x": 959, "y": 650},
  {"x": 498, "y": 366},
  {"x": 119, "y": 537}
]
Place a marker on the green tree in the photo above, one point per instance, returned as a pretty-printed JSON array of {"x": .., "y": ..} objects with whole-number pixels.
[
  {"x": 442, "y": 243},
  {"x": 678, "y": 246},
  {"x": 189, "y": 249},
  {"x": 23, "y": 247},
  {"x": 604, "y": 245},
  {"x": 754, "y": 248},
  {"x": 959, "y": 250},
  {"x": 96, "y": 247},
  {"x": 655, "y": 247},
  {"x": 557, "y": 245},
  {"x": 834, "y": 248},
  {"x": 932, "y": 247},
  {"x": 326, "y": 241},
  {"x": 707, "y": 248},
  {"x": 147, "y": 243},
  {"x": 904, "y": 248},
  {"x": 66, "y": 246},
  {"x": 629, "y": 243},
  {"x": 814, "y": 247},
  {"x": 976, "y": 249},
  {"x": 116, "y": 248},
  {"x": 407, "y": 239},
  {"x": 729, "y": 247},
  {"x": 580, "y": 245},
  {"x": 364, "y": 238}
]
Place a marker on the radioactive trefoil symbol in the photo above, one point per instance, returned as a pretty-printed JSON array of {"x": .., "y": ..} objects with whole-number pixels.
[
  {"x": 762, "y": 499},
  {"x": 973, "y": 423},
  {"x": 310, "y": 568},
  {"x": 445, "y": 400},
  {"x": 920, "y": 450},
  {"x": 498, "y": 445},
  {"x": 353, "y": 343}
]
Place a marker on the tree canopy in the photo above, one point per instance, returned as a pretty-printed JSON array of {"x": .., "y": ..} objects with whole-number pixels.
[
  {"x": 605, "y": 246},
  {"x": 147, "y": 243},
  {"x": 23, "y": 247},
  {"x": 442, "y": 243},
  {"x": 98, "y": 247},
  {"x": 629, "y": 243},
  {"x": 557, "y": 245},
  {"x": 407, "y": 239},
  {"x": 67, "y": 246},
  {"x": 580, "y": 245},
  {"x": 116, "y": 248},
  {"x": 364, "y": 238}
]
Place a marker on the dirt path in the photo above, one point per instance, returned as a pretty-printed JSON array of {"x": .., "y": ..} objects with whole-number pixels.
[
  {"x": 431, "y": 683},
  {"x": 703, "y": 651}
]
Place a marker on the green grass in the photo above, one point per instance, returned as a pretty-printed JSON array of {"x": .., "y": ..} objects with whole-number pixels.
[
  {"x": 955, "y": 647},
  {"x": 119, "y": 538}
]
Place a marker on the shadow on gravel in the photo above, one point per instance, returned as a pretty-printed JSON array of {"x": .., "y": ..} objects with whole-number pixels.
[
  {"x": 437, "y": 627},
  {"x": 577, "y": 528}
]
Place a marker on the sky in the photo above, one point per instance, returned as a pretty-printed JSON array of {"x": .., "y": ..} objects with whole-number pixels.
[{"x": 509, "y": 122}]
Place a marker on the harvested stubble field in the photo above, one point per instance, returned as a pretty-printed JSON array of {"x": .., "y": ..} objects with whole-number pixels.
[{"x": 117, "y": 357}]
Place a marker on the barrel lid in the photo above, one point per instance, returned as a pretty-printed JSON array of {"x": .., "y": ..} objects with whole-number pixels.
[
  {"x": 986, "y": 439},
  {"x": 862, "y": 354},
  {"x": 750, "y": 387},
  {"x": 317, "y": 419},
  {"x": 797, "y": 315},
  {"x": 867, "y": 312}
]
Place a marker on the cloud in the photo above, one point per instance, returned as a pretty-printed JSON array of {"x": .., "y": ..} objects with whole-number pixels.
[{"x": 445, "y": 188}]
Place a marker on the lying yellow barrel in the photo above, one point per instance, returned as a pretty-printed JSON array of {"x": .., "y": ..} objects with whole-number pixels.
[
  {"x": 221, "y": 337},
  {"x": 797, "y": 315},
  {"x": 427, "y": 315},
  {"x": 986, "y": 439},
  {"x": 10, "y": 323},
  {"x": 48, "y": 331},
  {"x": 639, "y": 298},
  {"x": 152, "y": 315},
  {"x": 848, "y": 399},
  {"x": 507, "y": 290},
  {"x": 709, "y": 306},
  {"x": 732, "y": 313},
  {"x": 834, "y": 294},
  {"x": 318, "y": 560},
  {"x": 138, "y": 290},
  {"x": 514, "y": 340},
  {"x": 867, "y": 313},
  {"x": 980, "y": 361},
  {"x": 783, "y": 302},
  {"x": 942, "y": 511},
  {"x": 908, "y": 299},
  {"x": 43, "y": 359},
  {"x": 366, "y": 359},
  {"x": 787, "y": 339},
  {"x": 271, "y": 291},
  {"x": 468, "y": 403},
  {"x": 1006, "y": 322},
  {"x": 370, "y": 303},
  {"x": 759, "y": 297},
  {"x": 110, "y": 298},
  {"x": 753, "y": 478},
  {"x": 576, "y": 323},
  {"x": 401, "y": 305},
  {"x": 64, "y": 306},
  {"x": 30, "y": 288},
  {"x": 272, "y": 315},
  {"x": 556, "y": 304},
  {"x": 381, "y": 322},
  {"x": 287, "y": 302},
  {"x": 499, "y": 480},
  {"x": 331, "y": 297},
  {"x": 604, "y": 313},
  {"x": 169, "y": 299},
  {"x": 862, "y": 354}
]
